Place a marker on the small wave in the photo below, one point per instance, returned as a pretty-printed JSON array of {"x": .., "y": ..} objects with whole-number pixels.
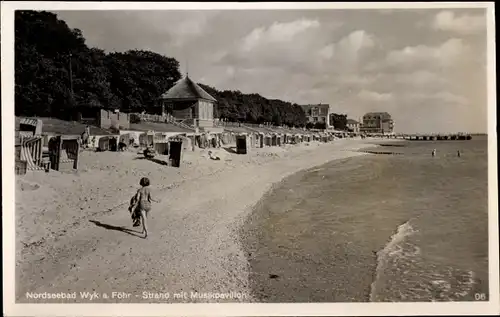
[
  {"x": 450, "y": 285},
  {"x": 317, "y": 169},
  {"x": 393, "y": 248},
  {"x": 467, "y": 284},
  {"x": 402, "y": 274},
  {"x": 441, "y": 284}
]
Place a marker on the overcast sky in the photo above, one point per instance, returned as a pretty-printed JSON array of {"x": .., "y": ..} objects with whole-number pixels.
[{"x": 427, "y": 68}]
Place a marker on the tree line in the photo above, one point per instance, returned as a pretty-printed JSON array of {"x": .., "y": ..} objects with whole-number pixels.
[
  {"x": 236, "y": 106},
  {"x": 58, "y": 75}
]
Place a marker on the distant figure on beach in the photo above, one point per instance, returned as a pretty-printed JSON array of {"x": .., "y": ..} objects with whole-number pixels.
[
  {"x": 433, "y": 152},
  {"x": 122, "y": 146},
  {"x": 213, "y": 157},
  {"x": 143, "y": 203},
  {"x": 149, "y": 152},
  {"x": 85, "y": 137},
  {"x": 458, "y": 153}
]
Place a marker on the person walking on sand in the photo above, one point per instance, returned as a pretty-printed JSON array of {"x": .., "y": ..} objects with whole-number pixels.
[
  {"x": 433, "y": 152},
  {"x": 143, "y": 199},
  {"x": 458, "y": 153},
  {"x": 85, "y": 137}
]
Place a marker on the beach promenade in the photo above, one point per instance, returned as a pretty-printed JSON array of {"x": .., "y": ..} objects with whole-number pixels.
[{"x": 74, "y": 232}]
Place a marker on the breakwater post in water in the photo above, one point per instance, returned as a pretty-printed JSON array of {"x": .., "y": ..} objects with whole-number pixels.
[{"x": 434, "y": 137}]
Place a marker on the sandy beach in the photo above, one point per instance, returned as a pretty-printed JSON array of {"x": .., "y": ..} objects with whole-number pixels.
[{"x": 74, "y": 232}]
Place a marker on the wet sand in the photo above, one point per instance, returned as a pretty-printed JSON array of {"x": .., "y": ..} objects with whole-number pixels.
[
  {"x": 293, "y": 253},
  {"x": 372, "y": 229}
]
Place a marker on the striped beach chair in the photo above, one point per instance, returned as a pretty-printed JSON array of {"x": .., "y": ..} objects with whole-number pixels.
[
  {"x": 31, "y": 125},
  {"x": 31, "y": 152}
]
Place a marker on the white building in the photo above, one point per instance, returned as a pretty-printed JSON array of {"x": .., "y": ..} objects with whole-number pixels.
[{"x": 353, "y": 125}]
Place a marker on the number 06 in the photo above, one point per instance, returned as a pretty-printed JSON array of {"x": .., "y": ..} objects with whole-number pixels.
[{"x": 480, "y": 296}]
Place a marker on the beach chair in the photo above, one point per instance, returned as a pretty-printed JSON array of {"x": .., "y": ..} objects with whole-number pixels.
[
  {"x": 63, "y": 151},
  {"x": 113, "y": 144},
  {"x": 241, "y": 144},
  {"x": 104, "y": 144},
  {"x": 161, "y": 148},
  {"x": 31, "y": 152},
  {"x": 267, "y": 140},
  {"x": 175, "y": 152},
  {"x": 125, "y": 138},
  {"x": 149, "y": 153}
]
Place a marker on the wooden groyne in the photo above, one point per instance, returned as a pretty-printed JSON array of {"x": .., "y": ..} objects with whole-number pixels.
[
  {"x": 423, "y": 137},
  {"x": 393, "y": 145},
  {"x": 380, "y": 152},
  {"x": 438, "y": 137}
]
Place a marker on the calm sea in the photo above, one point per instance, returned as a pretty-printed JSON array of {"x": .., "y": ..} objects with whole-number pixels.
[{"x": 408, "y": 227}]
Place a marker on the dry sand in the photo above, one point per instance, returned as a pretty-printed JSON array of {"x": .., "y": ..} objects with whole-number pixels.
[{"x": 74, "y": 231}]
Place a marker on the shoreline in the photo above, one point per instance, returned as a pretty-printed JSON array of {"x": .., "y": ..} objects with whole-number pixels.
[
  {"x": 198, "y": 240},
  {"x": 305, "y": 238},
  {"x": 238, "y": 230},
  {"x": 249, "y": 234}
]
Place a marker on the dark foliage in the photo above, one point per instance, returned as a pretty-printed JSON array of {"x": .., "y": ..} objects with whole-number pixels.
[
  {"x": 339, "y": 121},
  {"x": 138, "y": 78},
  {"x": 51, "y": 59},
  {"x": 317, "y": 125},
  {"x": 320, "y": 125},
  {"x": 253, "y": 108},
  {"x": 58, "y": 75}
]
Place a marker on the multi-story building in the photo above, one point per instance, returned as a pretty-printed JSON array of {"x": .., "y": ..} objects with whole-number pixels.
[
  {"x": 353, "y": 125},
  {"x": 377, "y": 122},
  {"x": 317, "y": 113}
]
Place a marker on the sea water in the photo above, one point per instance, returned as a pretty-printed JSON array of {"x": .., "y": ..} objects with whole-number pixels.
[{"x": 379, "y": 228}]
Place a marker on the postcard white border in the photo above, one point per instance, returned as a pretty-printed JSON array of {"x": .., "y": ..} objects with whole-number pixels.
[{"x": 295, "y": 309}]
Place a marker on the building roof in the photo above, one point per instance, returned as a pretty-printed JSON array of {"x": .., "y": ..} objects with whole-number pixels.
[
  {"x": 186, "y": 89},
  {"x": 58, "y": 126},
  {"x": 351, "y": 121},
  {"x": 307, "y": 107},
  {"x": 384, "y": 115}
]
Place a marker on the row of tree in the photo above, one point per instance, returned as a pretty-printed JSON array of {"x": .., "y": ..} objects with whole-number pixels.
[
  {"x": 253, "y": 108},
  {"x": 339, "y": 121},
  {"x": 58, "y": 75},
  {"x": 56, "y": 72}
]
